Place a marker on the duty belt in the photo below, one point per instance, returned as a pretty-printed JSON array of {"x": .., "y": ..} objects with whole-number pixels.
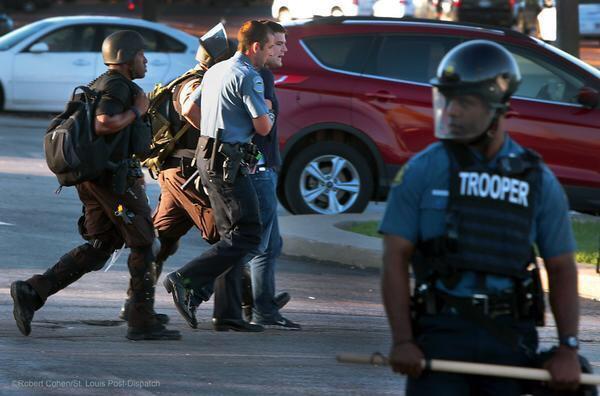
[{"x": 491, "y": 306}]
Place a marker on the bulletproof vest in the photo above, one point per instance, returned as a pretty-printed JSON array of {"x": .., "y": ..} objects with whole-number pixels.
[{"x": 488, "y": 218}]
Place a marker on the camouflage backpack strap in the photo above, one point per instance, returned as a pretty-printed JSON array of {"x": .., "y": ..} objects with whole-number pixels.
[{"x": 164, "y": 138}]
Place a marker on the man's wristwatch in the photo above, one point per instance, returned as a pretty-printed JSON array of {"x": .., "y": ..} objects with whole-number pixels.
[{"x": 570, "y": 342}]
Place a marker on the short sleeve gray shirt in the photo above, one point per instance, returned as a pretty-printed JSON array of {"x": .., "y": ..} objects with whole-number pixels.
[{"x": 230, "y": 96}]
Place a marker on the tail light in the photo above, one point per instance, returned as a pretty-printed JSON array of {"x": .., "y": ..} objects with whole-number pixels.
[
  {"x": 456, "y": 3},
  {"x": 131, "y": 5},
  {"x": 512, "y": 3}
]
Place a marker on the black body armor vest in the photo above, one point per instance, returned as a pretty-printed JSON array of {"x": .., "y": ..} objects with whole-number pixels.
[{"x": 488, "y": 219}]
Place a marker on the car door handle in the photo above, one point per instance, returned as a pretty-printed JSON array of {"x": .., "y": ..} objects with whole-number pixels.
[
  {"x": 381, "y": 95},
  {"x": 158, "y": 63},
  {"x": 81, "y": 62}
]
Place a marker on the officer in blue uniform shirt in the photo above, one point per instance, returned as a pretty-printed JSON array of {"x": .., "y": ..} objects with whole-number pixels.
[
  {"x": 230, "y": 107},
  {"x": 466, "y": 212}
]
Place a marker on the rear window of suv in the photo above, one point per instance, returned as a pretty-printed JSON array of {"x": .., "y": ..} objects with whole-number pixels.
[{"x": 347, "y": 53}]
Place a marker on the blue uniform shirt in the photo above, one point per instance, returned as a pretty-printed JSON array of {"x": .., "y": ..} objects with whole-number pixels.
[
  {"x": 230, "y": 96},
  {"x": 417, "y": 204}
]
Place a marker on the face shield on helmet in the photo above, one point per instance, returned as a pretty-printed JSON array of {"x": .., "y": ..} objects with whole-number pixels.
[
  {"x": 213, "y": 46},
  {"x": 461, "y": 117},
  {"x": 473, "y": 84}
]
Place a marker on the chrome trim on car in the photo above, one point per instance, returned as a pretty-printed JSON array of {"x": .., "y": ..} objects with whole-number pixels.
[{"x": 412, "y": 23}]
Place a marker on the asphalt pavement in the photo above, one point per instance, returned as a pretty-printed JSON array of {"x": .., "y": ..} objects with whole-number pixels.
[{"x": 77, "y": 345}]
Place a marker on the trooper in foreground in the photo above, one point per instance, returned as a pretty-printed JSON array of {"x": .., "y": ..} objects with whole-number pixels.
[
  {"x": 466, "y": 212},
  {"x": 121, "y": 105}
]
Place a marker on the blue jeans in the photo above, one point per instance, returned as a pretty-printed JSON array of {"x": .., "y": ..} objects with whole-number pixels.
[{"x": 262, "y": 264}]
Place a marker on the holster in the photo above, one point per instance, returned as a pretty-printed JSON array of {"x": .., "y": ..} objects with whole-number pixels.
[
  {"x": 530, "y": 295},
  {"x": 233, "y": 157}
]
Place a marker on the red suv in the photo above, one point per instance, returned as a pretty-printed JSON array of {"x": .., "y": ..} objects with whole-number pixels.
[{"x": 355, "y": 104}]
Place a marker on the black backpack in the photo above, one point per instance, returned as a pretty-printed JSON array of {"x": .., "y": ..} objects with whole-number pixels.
[{"x": 73, "y": 151}]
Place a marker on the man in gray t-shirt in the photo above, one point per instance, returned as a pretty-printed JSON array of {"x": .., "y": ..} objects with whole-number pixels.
[{"x": 230, "y": 99}]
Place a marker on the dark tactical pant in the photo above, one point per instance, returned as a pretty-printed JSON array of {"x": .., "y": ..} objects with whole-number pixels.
[
  {"x": 450, "y": 337},
  {"x": 235, "y": 208},
  {"x": 105, "y": 233},
  {"x": 178, "y": 211}
]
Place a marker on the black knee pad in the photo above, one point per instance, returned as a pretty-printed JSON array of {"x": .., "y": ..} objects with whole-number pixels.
[{"x": 93, "y": 254}]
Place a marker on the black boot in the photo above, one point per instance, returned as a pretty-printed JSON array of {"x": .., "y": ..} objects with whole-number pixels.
[
  {"x": 124, "y": 314},
  {"x": 26, "y": 301}
]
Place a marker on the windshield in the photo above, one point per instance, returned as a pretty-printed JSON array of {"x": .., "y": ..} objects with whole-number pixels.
[
  {"x": 13, "y": 38},
  {"x": 589, "y": 68}
]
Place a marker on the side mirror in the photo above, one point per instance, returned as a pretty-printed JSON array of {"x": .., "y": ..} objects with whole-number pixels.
[
  {"x": 39, "y": 48},
  {"x": 588, "y": 97}
]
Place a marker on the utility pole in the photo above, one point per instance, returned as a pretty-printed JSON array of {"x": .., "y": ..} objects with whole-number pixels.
[
  {"x": 567, "y": 26},
  {"x": 150, "y": 10}
]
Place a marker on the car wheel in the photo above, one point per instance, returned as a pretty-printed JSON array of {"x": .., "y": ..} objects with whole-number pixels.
[
  {"x": 284, "y": 15},
  {"x": 328, "y": 178}
]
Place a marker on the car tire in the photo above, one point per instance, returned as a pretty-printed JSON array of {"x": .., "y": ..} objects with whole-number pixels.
[{"x": 311, "y": 187}]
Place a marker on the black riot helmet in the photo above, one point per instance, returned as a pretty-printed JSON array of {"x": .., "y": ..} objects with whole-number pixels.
[
  {"x": 214, "y": 46},
  {"x": 482, "y": 68},
  {"x": 121, "y": 47}
]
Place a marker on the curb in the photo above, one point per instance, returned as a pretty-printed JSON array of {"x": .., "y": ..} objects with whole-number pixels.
[{"x": 319, "y": 237}]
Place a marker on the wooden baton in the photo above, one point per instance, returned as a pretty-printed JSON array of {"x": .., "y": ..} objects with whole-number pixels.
[{"x": 451, "y": 366}]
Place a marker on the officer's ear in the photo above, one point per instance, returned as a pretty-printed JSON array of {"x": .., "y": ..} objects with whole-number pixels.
[{"x": 255, "y": 46}]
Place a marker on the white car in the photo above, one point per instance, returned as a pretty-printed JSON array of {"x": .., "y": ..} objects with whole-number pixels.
[
  {"x": 286, "y": 10},
  {"x": 393, "y": 8},
  {"x": 41, "y": 63}
]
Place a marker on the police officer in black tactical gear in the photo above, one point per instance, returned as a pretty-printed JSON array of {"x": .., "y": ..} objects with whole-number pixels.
[
  {"x": 111, "y": 216},
  {"x": 466, "y": 212}
]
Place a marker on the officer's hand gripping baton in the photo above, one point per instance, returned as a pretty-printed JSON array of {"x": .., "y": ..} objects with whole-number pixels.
[{"x": 451, "y": 366}]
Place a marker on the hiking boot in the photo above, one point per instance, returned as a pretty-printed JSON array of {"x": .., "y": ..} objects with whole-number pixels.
[
  {"x": 124, "y": 314},
  {"x": 26, "y": 300},
  {"x": 157, "y": 332}
]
